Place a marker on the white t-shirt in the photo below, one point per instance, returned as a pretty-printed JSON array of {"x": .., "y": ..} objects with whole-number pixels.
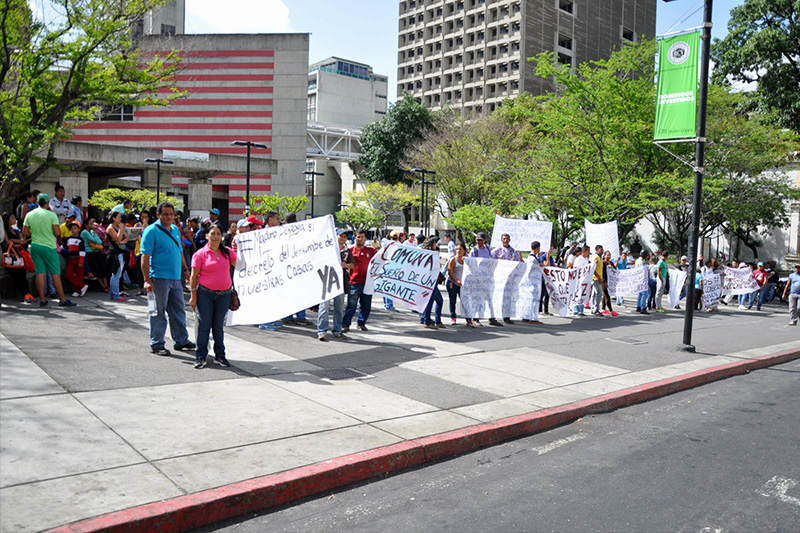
[
  {"x": 580, "y": 261},
  {"x": 570, "y": 260},
  {"x": 451, "y": 248}
]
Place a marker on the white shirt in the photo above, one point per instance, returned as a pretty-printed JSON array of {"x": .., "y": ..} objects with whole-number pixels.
[
  {"x": 570, "y": 260},
  {"x": 451, "y": 248},
  {"x": 62, "y": 208},
  {"x": 580, "y": 261}
]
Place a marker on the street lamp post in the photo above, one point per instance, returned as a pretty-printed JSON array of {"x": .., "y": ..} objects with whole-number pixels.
[
  {"x": 248, "y": 144},
  {"x": 313, "y": 176},
  {"x": 423, "y": 195},
  {"x": 699, "y": 161},
  {"x": 158, "y": 161}
]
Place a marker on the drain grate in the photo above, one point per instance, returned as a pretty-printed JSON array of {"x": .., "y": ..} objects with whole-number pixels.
[
  {"x": 339, "y": 374},
  {"x": 626, "y": 340}
]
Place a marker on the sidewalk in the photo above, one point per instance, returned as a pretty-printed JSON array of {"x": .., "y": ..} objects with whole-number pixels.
[{"x": 92, "y": 422}]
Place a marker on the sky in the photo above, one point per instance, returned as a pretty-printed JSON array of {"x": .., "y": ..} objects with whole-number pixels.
[{"x": 366, "y": 30}]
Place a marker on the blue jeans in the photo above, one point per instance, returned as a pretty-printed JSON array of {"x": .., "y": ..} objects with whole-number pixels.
[
  {"x": 323, "y": 315},
  {"x": 357, "y": 298},
  {"x": 212, "y": 307},
  {"x": 388, "y": 303},
  {"x": 113, "y": 285},
  {"x": 453, "y": 291},
  {"x": 300, "y": 315},
  {"x": 641, "y": 300},
  {"x": 169, "y": 301},
  {"x": 436, "y": 297},
  {"x": 651, "y": 297}
]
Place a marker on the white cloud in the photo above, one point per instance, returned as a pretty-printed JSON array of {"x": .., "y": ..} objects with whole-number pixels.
[{"x": 237, "y": 16}]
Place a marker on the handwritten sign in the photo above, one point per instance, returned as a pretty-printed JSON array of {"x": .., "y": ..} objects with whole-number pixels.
[
  {"x": 403, "y": 273},
  {"x": 284, "y": 269},
  {"x": 677, "y": 278},
  {"x": 495, "y": 288},
  {"x": 605, "y": 235},
  {"x": 522, "y": 232},
  {"x": 568, "y": 287},
  {"x": 712, "y": 289},
  {"x": 739, "y": 281},
  {"x": 628, "y": 282}
]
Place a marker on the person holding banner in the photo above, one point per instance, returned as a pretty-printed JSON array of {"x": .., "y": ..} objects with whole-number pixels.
[
  {"x": 436, "y": 297},
  {"x": 580, "y": 260},
  {"x": 506, "y": 253},
  {"x": 455, "y": 272},
  {"x": 641, "y": 300},
  {"x": 338, "y": 301},
  {"x": 622, "y": 264},
  {"x": 358, "y": 277}
]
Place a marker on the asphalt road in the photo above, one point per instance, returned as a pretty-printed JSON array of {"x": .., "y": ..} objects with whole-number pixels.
[{"x": 720, "y": 458}]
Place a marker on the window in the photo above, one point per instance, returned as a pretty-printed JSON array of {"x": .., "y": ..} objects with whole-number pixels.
[
  {"x": 564, "y": 59},
  {"x": 566, "y": 6},
  {"x": 167, "y": 29},
  {"x": 120, "y": 113},
  {"x": 565, "y": 42},
  {"x": 628, "y": 35}
]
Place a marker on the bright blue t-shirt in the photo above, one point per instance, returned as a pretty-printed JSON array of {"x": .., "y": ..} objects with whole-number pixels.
[
  {"x": 165, "y": 253},
  {"x": 698, "y": 277},
  {"x": 794, "y": 279}
]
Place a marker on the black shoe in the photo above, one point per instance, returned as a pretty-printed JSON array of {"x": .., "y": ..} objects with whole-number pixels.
[
  {"x": 638, "y": 309},
  {"x": 362, "y": 327},
  {"x": 494, "y": 322},
  {"x": 345, "y": 329},
  {"x": 644, "y": 312},
  {"x": 222, "y": 361},
  {"x": 43, "y": 303},
  {"x": 200, "y": 364},
  {"x": 67, "y": 303},
  {"x": 507, "y": 321},
  {"x": 161, "y": 351},
  {"x": 188, "y": 346}
]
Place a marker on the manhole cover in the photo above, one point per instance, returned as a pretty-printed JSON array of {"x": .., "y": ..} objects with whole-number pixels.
[
  {"x": 626, "y": 340},
  {"x": 338, "y": 374}
]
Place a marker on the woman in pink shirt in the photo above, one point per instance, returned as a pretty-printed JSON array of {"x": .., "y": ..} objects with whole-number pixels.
[{"x": 211, "y": 287}]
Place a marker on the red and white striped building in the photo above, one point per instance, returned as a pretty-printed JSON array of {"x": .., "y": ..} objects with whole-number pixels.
[{"x": 239, "y": 87}]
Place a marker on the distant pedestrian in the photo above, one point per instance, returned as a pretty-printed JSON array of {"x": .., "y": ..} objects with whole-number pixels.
[
  {"x": 60, "y": 205},
  {"x": 641, "y": 299},
  {"x": 598, "y": 280},
  {"x": 432, "y": 243},
  {"x": 211, "y": 286},
  {"x": 761, "y": 275},
  {"x": 338, "y": 302},
  {"x": 358, "y": 277},
  {"x": 504, "y": 252},
  {"x": 164, "y": 270},
  {"x": 581, "y": 260},
  {"x": 622, "y": 264},
  {"x": 662, "y": 282},
  {"x": 792, "y": 290},
  {"x": 455, "y": 275}
]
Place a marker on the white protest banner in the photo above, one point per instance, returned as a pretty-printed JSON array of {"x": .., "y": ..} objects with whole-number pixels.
[
  {"x": 403, "y": 273},
  {"x": 739, "y": 281},
  {"x": 605, "y": 235},
  {"x": 285, "y": 269},
  {"x": 522, "y": 233},
  {"x": 677, "y": 278},
  {"x": 712, "y": 289},
  {"x": 496, "y": 288},
  {"x": 627, "y": 282},
  {"x": 568, "y": 287}
]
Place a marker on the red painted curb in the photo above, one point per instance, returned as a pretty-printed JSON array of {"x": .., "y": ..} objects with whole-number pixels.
[{"x": 214, "y": 505}]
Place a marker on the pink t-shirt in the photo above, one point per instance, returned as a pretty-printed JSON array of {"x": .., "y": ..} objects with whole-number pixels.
[{"x": 215, "y": 268}]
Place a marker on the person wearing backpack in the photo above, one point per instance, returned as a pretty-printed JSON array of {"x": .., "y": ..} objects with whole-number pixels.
[{"x": 164, "y": 271}]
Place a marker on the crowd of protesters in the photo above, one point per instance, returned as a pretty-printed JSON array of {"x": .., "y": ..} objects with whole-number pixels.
[{"x": 155, "y": 253}]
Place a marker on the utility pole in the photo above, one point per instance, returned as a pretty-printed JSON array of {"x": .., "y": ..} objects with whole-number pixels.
[
  {"x": 158, "y": 162},
  {"x": 248, "y": 144}
]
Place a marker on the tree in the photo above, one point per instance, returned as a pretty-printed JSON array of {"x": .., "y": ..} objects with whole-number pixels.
[
  {"x": 359, "y": 217},
  {"x": 386, "y": 200},
  {"x": 763, "y": 47},
  {"x": 56, "y": 74},
  {"x": 472, "y": 218},
  {"x": 142, "y": 199},
  {"x": 261, "y": 205},
  {"x": 383, "y": 143}
]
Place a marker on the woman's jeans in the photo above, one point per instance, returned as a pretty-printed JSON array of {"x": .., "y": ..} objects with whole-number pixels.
[
  {"x": 453, "y": 291},
  {"x": 113, "y": 289},
  {"x": 212, "y": 306},
  {"x": 437, "y": 298},
  {"x": 651, "y": 299}
]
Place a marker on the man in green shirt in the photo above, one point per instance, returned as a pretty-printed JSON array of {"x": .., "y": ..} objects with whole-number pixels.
[
  {"x": 662, "y": 283},
  {"x": 41, "y": 225}
]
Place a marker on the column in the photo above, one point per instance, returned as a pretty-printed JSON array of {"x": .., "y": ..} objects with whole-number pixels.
[{"x": 199, "y": 202}]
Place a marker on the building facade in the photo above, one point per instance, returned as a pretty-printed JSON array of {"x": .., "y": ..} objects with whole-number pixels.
[
  {"x": 239, "y": 87},
  {"x": 472, "y": 54}
]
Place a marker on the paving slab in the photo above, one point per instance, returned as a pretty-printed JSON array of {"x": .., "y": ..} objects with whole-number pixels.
[
  {"x": 50, "y": 436},
  {"x": 46, "y": 504},
  {"x": 20, "y": 376},
  {"x": 551, "y": 397},
  {"x": 171, "y": 420},
  {"x": 495, "y": 410},
  {"x": 413, "y": 427},
  {"x": 213, "y": 469}
]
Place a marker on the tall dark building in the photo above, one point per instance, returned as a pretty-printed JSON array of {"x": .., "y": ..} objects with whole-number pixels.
[{"x": 472, "y": 54}]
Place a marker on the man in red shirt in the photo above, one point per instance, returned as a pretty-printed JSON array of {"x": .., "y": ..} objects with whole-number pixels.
[
  {"x": 358, "y": 276},
  {"x": 761, "y": 276}
]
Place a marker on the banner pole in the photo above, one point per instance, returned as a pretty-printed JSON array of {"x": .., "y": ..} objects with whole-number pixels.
[{"x": 697, "y": 200}]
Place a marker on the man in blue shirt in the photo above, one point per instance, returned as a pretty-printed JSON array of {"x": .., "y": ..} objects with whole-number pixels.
[
  {"x": 164, "y": 270},
  {"x": 793, "y": 291}
]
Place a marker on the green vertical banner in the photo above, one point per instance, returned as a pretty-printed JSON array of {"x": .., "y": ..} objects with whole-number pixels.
[{"x": 676, "y": 98}]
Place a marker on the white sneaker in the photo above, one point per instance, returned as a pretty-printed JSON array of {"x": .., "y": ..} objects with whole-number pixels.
[
  {"x": 84, "y": 289},
  {"x": 741, "y": 308},
  {"x": 75, "y": 294},
  {"x": 793, "y": 323}
]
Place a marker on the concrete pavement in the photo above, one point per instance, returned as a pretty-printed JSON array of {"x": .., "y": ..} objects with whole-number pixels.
[{"x": 93, "y": 423}]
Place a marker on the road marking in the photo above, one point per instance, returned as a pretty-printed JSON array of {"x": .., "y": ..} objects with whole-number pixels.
[
  {"x": 777, "y": 487},
  {"x": 558, "y": 443}
]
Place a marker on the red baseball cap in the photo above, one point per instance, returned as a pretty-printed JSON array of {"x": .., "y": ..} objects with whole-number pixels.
[{"x": 252, "y": 219}]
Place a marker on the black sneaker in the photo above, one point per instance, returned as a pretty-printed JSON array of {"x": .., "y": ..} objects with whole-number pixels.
[
  {"x": 362, "y": 327},
  {"x": 222, "y": 361},
  {"x": 494, "y": 322},
  {"x": 188, "y": 346},
  {"x": 43, "y": 303},
  {"x": 201, "y": 363},
  {"x": 67, "y": 303},
  {"x": 345, "y": 329},
  {"x": 161, "y": 351},
  {"x": 507, "y": 321}
]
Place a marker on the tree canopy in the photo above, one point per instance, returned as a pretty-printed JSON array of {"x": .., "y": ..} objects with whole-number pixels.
[{"x": 763, "y": 47}]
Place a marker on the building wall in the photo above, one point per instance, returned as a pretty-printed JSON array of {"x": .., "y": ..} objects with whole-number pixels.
[
  {"x": 347, "y": 101},
  {"x": 240, "y": 87},
  {"x": 171, "y": 15},
  {"x": 472, "y": 54}
]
